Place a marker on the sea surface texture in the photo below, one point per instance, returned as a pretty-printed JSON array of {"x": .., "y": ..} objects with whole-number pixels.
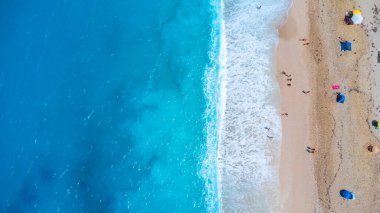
[
  {"x": 109, "y": 106},
  {"x": 250, "y": 130}
]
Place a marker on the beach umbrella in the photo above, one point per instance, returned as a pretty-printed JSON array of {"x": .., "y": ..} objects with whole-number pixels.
[
  {"x": 340, "y": 98},
  {"x": 357, "y": 17},
  {"x": 347, "y": 194},
  {"x": 345, "y": 46},
  {"x": 348, "y": 46},
  {"x": 375, "y": 123}
]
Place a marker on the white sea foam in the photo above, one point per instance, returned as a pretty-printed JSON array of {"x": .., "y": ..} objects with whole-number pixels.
[
  {"x": 212, "y": 114},
  {"x": 250, "y": 128}
]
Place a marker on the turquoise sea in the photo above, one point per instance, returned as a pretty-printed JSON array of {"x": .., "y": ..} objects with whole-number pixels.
[{"x": 108, "y": 106}]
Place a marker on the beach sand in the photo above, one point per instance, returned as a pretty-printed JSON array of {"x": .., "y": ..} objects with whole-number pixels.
[
  {"x": 296, "y": 168},
  {"x": 339, "y": 132}
]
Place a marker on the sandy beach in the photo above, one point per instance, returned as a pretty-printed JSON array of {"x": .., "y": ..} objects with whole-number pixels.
[
  {"x": 340, "y": 133},
  {"x": 294, "y": 77}
]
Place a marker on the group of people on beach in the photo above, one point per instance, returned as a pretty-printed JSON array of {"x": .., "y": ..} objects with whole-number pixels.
[{"x": 305, "y": 40}]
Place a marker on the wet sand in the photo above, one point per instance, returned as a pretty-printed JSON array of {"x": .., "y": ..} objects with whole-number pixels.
[{"x": 296, "y": 168}]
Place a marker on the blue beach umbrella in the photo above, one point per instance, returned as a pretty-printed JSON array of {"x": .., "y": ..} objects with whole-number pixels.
[
  {"x": 375, "y": 123},
  {"x": 347, "y": 194},
  {"x": 345, "y": 46},
  {"x": 340, "y": 98}
]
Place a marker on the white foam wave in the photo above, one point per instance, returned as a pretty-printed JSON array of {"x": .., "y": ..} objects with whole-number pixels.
[
  {"x": 211, "y": 90},
  {"x": 250, "y": 128}
]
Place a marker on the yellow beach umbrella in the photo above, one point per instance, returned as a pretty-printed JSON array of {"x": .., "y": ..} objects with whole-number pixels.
[{"x": 357, "y": 17}]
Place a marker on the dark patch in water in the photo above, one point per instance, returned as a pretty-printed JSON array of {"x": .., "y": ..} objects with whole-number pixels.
[
  {"x": 110, "y": 166},
  {"x": 28, "y": 193},
  {"x": 46, "y": 174}
]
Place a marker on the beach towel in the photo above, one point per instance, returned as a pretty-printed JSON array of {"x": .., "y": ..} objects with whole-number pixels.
[{"x": 335, "y": 86}]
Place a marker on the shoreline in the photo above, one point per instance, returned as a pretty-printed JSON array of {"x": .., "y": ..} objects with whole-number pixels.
[
  {"x": 250, "y": 129},
  {"x": 297, "y": 184}
]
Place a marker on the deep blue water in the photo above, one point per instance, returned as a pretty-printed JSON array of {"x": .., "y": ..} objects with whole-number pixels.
[{"x": 102, "y": 105}]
